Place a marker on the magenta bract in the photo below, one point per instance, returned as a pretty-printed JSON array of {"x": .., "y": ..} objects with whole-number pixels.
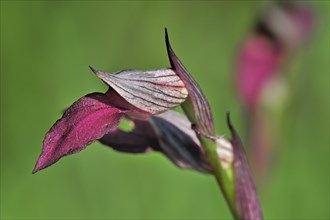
[{"x": 87, "y": 120}]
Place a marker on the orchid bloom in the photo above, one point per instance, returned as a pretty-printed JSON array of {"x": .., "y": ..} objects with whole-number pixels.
[
  {"x": 144, "y": 99},
  {"x": 282, "y": 27},
  {"x": 96, "y": 114}
]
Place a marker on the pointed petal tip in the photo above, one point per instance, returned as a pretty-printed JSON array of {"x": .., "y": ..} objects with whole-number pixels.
[
  {"x": 42, "y": 164},
  {"x": 230, "y": 125},
  {"x": 94, "y": 70},
  {"x": 99, "y": 74},
  {"x": 166, "y": 34},
  {"x": 37, "y": 168},
  {"x": 168, "y": 47}
]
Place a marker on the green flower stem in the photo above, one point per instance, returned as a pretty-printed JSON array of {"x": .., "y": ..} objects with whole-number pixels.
[{"x": 224, "y": 177}]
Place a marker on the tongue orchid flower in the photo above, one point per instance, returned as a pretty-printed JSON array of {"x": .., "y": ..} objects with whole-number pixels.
[{"x": 143, "y": 100}]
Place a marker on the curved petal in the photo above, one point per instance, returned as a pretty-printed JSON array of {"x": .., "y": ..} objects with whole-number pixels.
[
  {"x": 153, "y": 91},
  {"x": 179, "y": 142},
  {"x": 246, "y": 197},
  {"x": 169, "y": 133},
  {"x": 202, "y": 113},
  {"x": 87, "y": 120}
]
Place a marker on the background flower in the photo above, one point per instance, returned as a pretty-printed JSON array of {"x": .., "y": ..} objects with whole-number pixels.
[{"x": 263, "y": 78}]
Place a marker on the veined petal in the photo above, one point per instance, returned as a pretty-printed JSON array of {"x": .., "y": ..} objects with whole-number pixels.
[
  {"x": 202, "y": 112},
  {"x": 179, "y": 142},
  {"x": 87, "y": 120},
  {"x": 152, "y": 91},
  {"x": 246, "y": 197}
]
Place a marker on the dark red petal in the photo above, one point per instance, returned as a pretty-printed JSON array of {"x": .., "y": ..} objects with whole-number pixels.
[
  {"x": 140, "y": 140},
  {"x": 87, "y": 120},
  {"x": 201, "y": 107},
  {"x": 246, "y": 197}
]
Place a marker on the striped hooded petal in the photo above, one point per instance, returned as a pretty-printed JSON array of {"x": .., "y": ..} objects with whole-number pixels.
[
  {"x": 152, "y": 91},
  {"x": 169, "y": 133},
  {"x": 202, "y": 115},
  {"x": 246, "y": 198},
  {"x": 87, "y": 120}
]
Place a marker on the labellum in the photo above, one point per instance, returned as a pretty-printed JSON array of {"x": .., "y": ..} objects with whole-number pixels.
[{"x": 169, "y": 133}]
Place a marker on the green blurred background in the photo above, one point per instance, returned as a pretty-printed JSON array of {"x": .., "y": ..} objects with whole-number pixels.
[{"x": 46, "y": 48}]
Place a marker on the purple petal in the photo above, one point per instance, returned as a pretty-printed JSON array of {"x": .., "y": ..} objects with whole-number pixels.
[
  {"x": 152, "y": 91},
  {"x": 246, "y": 197},
  {"x": 87, "y": 120},
  {"x": 201, "y": 107},
  {"x": 169, "y": 133},
  {"x": 179, "y": 142}
]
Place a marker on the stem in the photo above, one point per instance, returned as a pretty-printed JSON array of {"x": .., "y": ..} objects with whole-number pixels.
[{"x": 225, "y": 178}]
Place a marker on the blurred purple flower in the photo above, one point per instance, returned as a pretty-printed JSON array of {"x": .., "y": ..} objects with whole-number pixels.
[
  {"x": 257, "y": 63},
  {"x": 282, "y": 27}
]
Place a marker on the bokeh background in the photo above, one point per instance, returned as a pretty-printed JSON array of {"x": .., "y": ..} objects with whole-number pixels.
[{"x": 46, "y": 47}]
